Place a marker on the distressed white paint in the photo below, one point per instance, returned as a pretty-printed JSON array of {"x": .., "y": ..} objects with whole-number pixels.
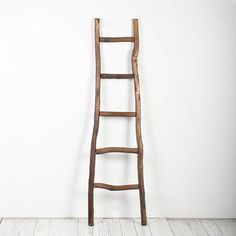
[
  {"x": 160, "y": 227},
  {"x": 142, "y": 230},
  {"x": 128, "y": 227},
  {"x": 115, "y": 227},
  {"x": 63, "y": 227},
  {"x": 42, "y": 227},
  {"x": 211, "y": 227},
  {"x": 107, "y": 227},
  {"x": 180, "y": 227},
  {"x": 17, "y": 227},
  {"x": 227, "y": 227},
  {"x": 84, "y": 229},
  {"x": 188, "y": 88},
  {"x": 197, "y": 228}
]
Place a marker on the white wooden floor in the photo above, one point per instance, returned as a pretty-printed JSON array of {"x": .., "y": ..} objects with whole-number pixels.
[{"x": 115, "y": 227}]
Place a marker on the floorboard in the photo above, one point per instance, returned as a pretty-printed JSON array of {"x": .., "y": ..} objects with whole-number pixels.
[
  {"x": 63, "y": 227},
  {"x": 227, "y": 227},
  {"x": 128, "y": 227},
  {"x": 107, "y": 227},
  {"x": 142, "y": 230},
  {"x": 197, "y": 228},
  {"x": 84, "y": 229},
  {"x": 211, "y": 227},
  {"x": 42, "y": 227},
  {"x": 160, "y": 227},
  {"x": 17, "y": 227},
  {"x": 180, "y": 227},
  {"x": 117, "y": 227}
]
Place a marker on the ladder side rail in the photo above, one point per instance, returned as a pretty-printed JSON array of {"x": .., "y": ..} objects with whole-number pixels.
[
  {"x": 138, "y": 122},
  {"x": 96, "y": 125}
]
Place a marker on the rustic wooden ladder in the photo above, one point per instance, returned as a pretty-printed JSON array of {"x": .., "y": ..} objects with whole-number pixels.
[{"x": 98, "y": 113}]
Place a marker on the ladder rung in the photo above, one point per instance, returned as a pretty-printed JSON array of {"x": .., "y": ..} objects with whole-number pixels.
[
  {"x": 116, "y": 187},
  {"x": 116, "y": 76},
  {"x": 116, "y": 39},
  {"x": 116, "y": 149},
  {"x": 117, "y": 113}
]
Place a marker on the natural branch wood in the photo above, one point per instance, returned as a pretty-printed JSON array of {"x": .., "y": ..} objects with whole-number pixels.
[
  {"x": 98, "y": 113},
  {"x": 96, "y": 125},
  {"x": 117, "y": 76},
  {"x": 117, "y": 114},
  {"x": 116, "y": 187},
  {"x": 138, "y": 122},
  {"x": 116, "y": 149},
  {"x": 116, "y": 39}
]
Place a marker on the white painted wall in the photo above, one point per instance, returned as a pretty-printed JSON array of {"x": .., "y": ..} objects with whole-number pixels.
[{"x": 187, "y": 72}]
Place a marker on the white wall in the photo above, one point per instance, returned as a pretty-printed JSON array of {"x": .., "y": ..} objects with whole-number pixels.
[{"x": 187, "y": 72}]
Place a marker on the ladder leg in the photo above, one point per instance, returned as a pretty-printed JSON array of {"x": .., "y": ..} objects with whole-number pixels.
[
  {"x": 141, "y": 189},
  {"x": 95, "y": 128},
  {"x": 138, "y": 122},
  {"x": 137, "y": 115},
  {"x": 91, "y": 189}
]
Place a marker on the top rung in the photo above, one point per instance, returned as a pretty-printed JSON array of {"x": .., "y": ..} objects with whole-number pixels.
[{"x": 116, "y": 39}]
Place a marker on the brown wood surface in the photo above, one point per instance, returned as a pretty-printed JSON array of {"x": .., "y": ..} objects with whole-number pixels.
[
  {"x": 96, "y": 125},
  {"x": 116, "y": 187},
  {"x": 117, "y": 76},
  {"x": 116, "y": 149},
  {"x": 116, "y": 39},
  {"x": 138, "y": 122},
  {"x": 98, "y": 113},
  {"x": 117, "y": 113}
]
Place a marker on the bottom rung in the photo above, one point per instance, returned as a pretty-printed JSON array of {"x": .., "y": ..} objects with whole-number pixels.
[{"x": 116, "y": 187}]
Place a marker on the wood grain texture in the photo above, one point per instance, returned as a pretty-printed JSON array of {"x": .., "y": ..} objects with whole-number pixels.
[
  {"x": 96, "y": 125},
  {"x": 138, "y": 122},
  {"x": 211, "y": 227},
  {"x": 117, "y": 76},
  {"x": 116, "y": 149},
  {"x": 227, "y": 226},
  {"x": 116, "y": 187},
  {"x": 124, "y": 227},
  {"x": 116, "y": 39},
  {"x": 117, "y": 113},
  {"x": 136, "y": 114},
  {"x": 196, "y": 227}
]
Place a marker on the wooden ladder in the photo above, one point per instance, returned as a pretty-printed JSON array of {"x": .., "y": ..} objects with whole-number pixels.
[{"x": 98, "y": 113}]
